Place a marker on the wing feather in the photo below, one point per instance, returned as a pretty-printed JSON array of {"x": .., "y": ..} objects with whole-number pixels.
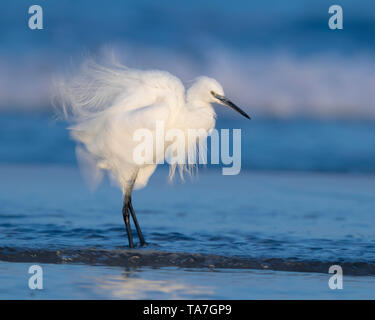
[{"x": 97, "y": 88}]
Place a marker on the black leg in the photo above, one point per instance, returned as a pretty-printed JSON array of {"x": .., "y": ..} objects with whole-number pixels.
[
  {"x": 125, "y": 214},
  {"x": 140, "y": 235}
]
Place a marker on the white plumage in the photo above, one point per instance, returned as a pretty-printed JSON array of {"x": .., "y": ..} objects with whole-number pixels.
[{"x": 106, "y": 105}]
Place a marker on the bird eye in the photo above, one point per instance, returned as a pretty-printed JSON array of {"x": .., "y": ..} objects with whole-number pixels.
[{"x": 213, "y": 93}]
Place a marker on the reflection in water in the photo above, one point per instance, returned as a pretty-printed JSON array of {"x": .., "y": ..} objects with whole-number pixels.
[{"x": 130, "y": 286}]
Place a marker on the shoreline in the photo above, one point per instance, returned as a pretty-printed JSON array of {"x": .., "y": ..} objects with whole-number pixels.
[{"x": 159, "y": 259}]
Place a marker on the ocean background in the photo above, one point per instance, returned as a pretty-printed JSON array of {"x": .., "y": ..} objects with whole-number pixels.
[{"x": 304, "y": 200}]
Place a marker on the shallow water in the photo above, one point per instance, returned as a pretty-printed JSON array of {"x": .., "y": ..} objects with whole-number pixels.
[
  {"x": 272, "y": 221},
  {"x": 277, "y": 215}
]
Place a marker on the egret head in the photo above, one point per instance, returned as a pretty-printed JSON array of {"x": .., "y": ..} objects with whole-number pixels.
[{"x": 209, "y": 90}]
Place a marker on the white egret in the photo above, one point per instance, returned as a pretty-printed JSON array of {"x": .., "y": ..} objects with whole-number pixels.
[{"x": 106, "y": 105}]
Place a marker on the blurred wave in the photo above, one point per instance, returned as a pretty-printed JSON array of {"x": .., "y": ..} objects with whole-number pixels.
[
  {"x": 280, "y": 85},
  {"x": 274, "y": 59}
]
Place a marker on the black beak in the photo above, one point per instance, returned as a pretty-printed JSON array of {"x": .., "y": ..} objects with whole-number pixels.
[{"x": 230, "y": 104}]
